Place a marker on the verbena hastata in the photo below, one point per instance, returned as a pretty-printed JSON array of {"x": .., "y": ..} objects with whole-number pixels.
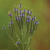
[{"x": 27, "y": 26}]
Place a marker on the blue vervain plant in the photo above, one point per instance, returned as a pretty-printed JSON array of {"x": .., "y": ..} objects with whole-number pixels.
[{"x": 27, "y": 26}]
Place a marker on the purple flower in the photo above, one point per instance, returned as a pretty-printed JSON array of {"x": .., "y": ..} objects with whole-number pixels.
[
  {"x": 4, "y": 28},
  {"x": 36, "y": 22},
  {"x": 20, "y": 5},
  {"x": 28, "y": 20},
  {"x": 16, "y": 17},
  {"x": 9, "y": 25},
  {"x": 28, "y": 11},
  {"x": 22, "y": 14},
  {"x": 11, "y": 22},
  {"x": 17, "y": 42},
  {"x": 24, "y": 10},
  {"x": 20, "y": 11},
  {"x": 15, "y": 9},
  {"x": 29, "y": 17},
  {"x": 33, "y": 18},
  {"x": 19, "y": 19},
  {"x": 10, "y": 14}
]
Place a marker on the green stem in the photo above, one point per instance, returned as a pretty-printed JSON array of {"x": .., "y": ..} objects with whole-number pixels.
[
  {"x": 19, "y": 38},
  {"x": 23, "y": 37},
  {"x": 23, "y": 41},
  {"x": 29, "y": 43},
  {"x": 11, "y": 39},
  {"x": 23, "y": 47}
]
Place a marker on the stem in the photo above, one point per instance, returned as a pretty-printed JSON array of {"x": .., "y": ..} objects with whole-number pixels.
[
  {"x": 11, "y": 38},
  {"x": 23, "y": 42},
  {"x": 23, "y": 37},
  {"x": 29, "y": 43},
  {"x": 17, "y": 35},
  {"x": 12, "y": 30},
  {"x": 19, "y": 38},
  {"x": 23, "y": 47}
]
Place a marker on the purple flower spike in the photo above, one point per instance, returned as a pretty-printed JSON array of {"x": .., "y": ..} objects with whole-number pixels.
[
  {"x": 19, "y": 19},
  {"x": 22, "y": 14},
  {"x": 20, "y": 5},
  {"x": 20, "y": 11},
  {"x": 28, "y": 11},
  {"x": 28, "y": 20},
  {"x": 24, "y": 10},
  {"x": 16, "y": 17},
  {"x": 15, "y": 9},
  {"x": 4, "y": 28},
  {"x": 34, "y": 17},
  {"x": 29, "y": 17},
  {"x": 11, "y": 22},
  {"x": 10, "y": 14},
  {"x": 17, "y": 42},
  {"x": 36, "y": 22},
  {"x": 9, "y": 25}
]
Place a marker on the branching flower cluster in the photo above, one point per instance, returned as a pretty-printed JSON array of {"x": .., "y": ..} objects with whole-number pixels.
[{"x": 27, "y": 26}]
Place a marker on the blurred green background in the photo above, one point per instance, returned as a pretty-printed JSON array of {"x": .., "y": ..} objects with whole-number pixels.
[{"x": 41, "y": 38}]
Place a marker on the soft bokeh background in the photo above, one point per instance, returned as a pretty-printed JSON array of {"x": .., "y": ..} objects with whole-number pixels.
[{"x": 40, "y": 9}]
